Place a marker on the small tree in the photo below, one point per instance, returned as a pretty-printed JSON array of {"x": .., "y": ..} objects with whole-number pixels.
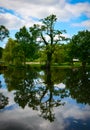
[{"x": 8, "y": 51}]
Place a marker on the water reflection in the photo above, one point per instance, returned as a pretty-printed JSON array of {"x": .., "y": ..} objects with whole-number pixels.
[
  {"x": 3, "y": 99},
  {"x": 36, "y": 90},
  {"x": 78, "y": 84},
  {"x": 40, "y": 90}
]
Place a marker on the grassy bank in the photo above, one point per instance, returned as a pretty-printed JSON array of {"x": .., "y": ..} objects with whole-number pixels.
[{"x": 41, "y": 65}]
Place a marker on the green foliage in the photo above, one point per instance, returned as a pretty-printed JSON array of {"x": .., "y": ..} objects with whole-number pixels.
[
  {"x": 18, "y": 55},
  {"x": 1, "y": 51},
  {"x": 44, "y": 42},
  {"x": 80, "y": 46},
  {"x": 3, "y": 32},
  {"x": 27, "y": 42},
  {"x": 60, "y": 54},
  {"x": 8, "y": 51}
]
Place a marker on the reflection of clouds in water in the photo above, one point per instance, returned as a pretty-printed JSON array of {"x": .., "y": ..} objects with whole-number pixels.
[
  {"x": 28, "y": 119},
  {"x": 10, "y": 96},
  {"x": 74, "y": 116},
  {"x": 60, "y": 86},
  {"x": 75, "y": 111},
  {"x": 14, "y": 125},
  {"x": 39, "y": 83}
]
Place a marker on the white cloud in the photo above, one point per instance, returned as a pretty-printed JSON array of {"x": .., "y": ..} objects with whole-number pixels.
[
  {"x": 78, "y": 9},
  {"x": 13, "y": 22},
  {"x": 40, "y": 9},
  {"x": 83, "y": 24},
  {"x": 10, "y": 21}
]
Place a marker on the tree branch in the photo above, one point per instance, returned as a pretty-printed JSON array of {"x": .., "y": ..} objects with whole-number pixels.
[{"x": 46, "y": 43}]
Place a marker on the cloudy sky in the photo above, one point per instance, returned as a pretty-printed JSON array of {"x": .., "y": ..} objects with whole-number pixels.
[{"x": 73, "y": 15}]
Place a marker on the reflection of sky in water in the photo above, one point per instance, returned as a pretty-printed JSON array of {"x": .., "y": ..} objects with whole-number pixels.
[
  {"x": 71, "y": 116},
  {"x": 9, "y": 108},
  {"x": 61, "y": 86},
  {"x": 3, "y": 84},
  {"x": 68, "y": 117}
]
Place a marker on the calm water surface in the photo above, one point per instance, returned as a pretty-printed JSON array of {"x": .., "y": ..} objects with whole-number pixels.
[{"x": 35, "y": 99}]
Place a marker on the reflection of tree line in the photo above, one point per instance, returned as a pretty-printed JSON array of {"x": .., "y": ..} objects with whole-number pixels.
[
  {"x": 39, "y": 92},
  {"x": 78, "y": 83}
]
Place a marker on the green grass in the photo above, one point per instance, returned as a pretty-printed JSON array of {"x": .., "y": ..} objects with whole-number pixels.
[{"x": 38, "y": 64}]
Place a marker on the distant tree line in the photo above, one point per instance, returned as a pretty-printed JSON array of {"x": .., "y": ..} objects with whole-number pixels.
[{"x": 45, "y": 43}]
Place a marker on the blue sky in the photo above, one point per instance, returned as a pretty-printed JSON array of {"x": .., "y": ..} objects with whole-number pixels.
[{"x": 72, "y": 15}]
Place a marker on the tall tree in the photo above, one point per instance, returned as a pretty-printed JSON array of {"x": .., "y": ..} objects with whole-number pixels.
[
  {"x": 3, "y": 32},
  {"x": 26, "y": 41},
  {"x": 80, "y": 47},
  {"x": 49, "y": 36}
]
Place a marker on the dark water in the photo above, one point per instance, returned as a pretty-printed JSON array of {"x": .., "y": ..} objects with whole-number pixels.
[{"x": 35, "y": 99}]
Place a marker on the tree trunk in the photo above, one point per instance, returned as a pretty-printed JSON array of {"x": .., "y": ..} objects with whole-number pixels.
[{"x": 48, "y": 61}]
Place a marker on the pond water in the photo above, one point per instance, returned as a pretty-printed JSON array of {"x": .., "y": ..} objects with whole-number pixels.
[{"x": 35, "y": 99}]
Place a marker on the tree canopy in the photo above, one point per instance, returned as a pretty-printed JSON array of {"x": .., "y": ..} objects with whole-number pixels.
[
  {"x": 26, "y": 40},
  {"x": 80, "y": 46}
]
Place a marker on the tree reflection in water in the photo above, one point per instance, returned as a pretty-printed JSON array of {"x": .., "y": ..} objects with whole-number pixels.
[
  {"x": 78, "y": 84},
  {"x": 3, "y": 99},
  {"x": 48, "y": 94},
  {"x": 37, "y": 89}
]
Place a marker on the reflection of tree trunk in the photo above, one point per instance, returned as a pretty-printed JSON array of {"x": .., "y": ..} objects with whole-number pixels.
[
  {"x": 84, "y": 64},
  {"x": 83, "y": 71},
  {"x": 49, "y": 83},
  {"x": 48, "y": 77}
]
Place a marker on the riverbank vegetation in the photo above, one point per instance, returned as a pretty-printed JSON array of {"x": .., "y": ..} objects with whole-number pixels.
[{"x": 46, "y": 46}]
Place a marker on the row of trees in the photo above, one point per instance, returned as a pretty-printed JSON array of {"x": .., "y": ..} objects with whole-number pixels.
[{"x": 45, "y": 42}]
